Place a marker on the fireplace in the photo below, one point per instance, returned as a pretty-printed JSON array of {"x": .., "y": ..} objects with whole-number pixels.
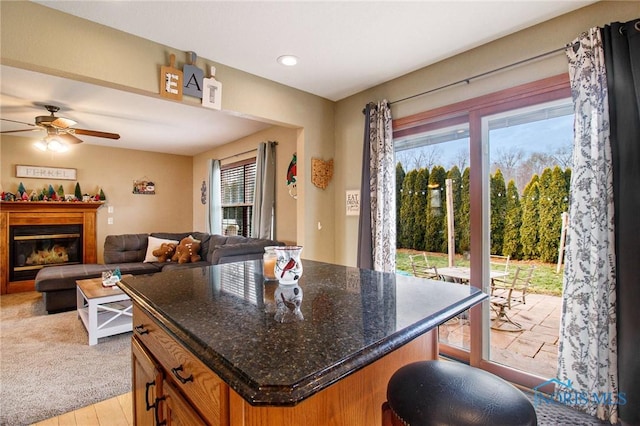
[
  {"x": 36, "y": 235},
  {"x": 32, "y": 248}
]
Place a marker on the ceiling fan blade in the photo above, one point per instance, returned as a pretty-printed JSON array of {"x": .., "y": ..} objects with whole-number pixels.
[
  {"x": 62, "y": 123},
  {"x": 23, "y": 130},
  {"x": 19, "y": 122},
  {"x": 69, "y": 138},
  {"x": 95, "y": 133}
]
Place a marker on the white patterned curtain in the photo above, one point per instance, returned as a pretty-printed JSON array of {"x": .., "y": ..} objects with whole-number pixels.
[
  {"x": 262, "y": 218},
  {"x": 588, "y": 348},
  {"x": 377, "y": 227},
  {"x": 214, "y": 208}
]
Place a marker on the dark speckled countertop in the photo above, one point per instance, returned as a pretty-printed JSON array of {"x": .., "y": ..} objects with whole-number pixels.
[{"x": 352, "y": 317}]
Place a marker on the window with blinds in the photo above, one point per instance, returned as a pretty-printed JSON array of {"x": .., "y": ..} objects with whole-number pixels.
[{"x": 238, "y": 182}]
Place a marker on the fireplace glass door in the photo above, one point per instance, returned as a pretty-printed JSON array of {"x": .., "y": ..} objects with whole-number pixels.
[{"x": 35, "y": 247}]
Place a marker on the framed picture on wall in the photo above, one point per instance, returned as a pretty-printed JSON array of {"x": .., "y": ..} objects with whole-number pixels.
[{"x": 144, "y": 186}]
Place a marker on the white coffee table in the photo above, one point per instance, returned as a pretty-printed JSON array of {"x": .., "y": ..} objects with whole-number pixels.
[{"x": 104, "y": 311}]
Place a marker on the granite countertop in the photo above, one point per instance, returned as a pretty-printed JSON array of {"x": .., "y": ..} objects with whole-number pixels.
[{"x": 352, "y": 317}]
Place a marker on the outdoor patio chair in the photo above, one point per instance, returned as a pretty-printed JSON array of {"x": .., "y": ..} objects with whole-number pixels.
[
  {"x": 499, "y": 263},
  {"x": 421, "y": 268},
  {"x": 509, "y": 292}
]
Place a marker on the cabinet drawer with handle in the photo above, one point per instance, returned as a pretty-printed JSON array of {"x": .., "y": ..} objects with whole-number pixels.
[{"x": 201, "y": 386}]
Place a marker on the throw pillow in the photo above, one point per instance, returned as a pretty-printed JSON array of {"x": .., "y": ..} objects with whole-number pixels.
[{"x": 154, "y": 244}]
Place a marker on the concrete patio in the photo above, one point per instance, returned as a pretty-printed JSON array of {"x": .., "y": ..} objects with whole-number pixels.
[{"x": 533, "y": 349}]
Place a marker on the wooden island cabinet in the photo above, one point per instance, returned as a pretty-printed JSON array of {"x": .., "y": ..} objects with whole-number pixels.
[
  {"x": 206, "y": 347},
  {"x": 173, "y": 371}
]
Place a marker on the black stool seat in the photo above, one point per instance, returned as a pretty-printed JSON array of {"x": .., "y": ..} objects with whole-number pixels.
[{"x": 430, "y": 393}]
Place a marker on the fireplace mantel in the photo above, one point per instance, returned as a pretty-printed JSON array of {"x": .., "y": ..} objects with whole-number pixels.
[{"x": 45, "y": 213}]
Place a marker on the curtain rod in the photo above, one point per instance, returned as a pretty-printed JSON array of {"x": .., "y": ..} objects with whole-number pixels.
[
  {"x": 238, "y": 154},
  {"x": 468, "y": 80},
  {"x": 246, "y": 152}
]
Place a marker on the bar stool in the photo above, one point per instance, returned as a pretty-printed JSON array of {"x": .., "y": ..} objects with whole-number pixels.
[{"x": 429, "y": 393}]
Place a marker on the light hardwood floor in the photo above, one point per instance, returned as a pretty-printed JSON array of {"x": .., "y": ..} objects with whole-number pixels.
[{"x": 117, "y": 411}]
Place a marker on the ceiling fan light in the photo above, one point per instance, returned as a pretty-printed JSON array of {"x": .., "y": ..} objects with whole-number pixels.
[
  {"x": 56, "y": 145},
  {"x": 41, "y": 145},
  {"x": 62, "y": 147},
  {"x": 51, "y": 144}
]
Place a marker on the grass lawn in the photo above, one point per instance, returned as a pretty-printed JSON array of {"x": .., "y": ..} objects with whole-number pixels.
[{"x": 545, "y": 280}]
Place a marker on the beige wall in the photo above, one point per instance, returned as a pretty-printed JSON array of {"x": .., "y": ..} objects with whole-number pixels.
[
  {"x": 323, "y": 129},
  {"x": 113, "y": 170},
  {"x": 548, "y": 36},
  {"x": 104, "y": 56},
  {"x": 285, "y": 229}
]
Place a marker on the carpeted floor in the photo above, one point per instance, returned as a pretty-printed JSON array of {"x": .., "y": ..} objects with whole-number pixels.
[{"x": 46, "y": 365}]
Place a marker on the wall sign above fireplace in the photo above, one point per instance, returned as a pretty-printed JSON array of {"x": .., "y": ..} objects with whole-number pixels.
[{"x": 42, "y": 172}]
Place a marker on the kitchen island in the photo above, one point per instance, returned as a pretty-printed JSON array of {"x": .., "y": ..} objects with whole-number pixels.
[{"x": 207, "y": 348}]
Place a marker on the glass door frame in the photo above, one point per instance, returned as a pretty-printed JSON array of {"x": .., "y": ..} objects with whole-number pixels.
[{"x": 474, "y": 110}]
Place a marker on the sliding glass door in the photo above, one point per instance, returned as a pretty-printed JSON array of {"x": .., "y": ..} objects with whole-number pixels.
[
  {"x": 434, "y": 206},
  {"x": 528, "y": 159},
  {"x": 485, "y": 185}
]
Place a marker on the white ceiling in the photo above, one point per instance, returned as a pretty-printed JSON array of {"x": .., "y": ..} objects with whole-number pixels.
[
  {"x": 143, "y": 122},
  {"x": 339, "y": 44}
]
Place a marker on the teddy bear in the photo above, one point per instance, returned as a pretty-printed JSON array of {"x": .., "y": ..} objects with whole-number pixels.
[
  {"x": 187, "y": 251},
  {"x": 165, "y": 252}
]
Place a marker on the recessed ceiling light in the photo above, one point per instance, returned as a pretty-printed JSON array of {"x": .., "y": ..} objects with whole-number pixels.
[{"x": 288, "y": 60}]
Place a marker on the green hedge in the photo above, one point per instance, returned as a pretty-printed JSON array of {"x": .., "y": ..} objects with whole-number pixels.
[{"x": 526, "y": 227}]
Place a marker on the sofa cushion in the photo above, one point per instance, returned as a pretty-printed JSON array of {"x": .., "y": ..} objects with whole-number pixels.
[
  {"x": 238, "y": 239},
  {"x": 171, "y": 235},
  {"x": 56, "y": 278},
  {"x": 125, "y": 248},
  {"x": 235, "y": 252},
  {"x": 215, "y": 240},
  {"x": 204, "y": 244},
  {"x": 154, "y": 244}
]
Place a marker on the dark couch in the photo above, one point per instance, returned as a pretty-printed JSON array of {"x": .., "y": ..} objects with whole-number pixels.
[{"x": 127, "y": 252}]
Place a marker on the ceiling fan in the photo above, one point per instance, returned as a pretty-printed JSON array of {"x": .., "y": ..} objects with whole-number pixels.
[{"x": 59, "y": 127}]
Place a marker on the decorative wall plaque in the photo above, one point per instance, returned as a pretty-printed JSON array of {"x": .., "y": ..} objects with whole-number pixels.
[
  {"x": 353, "y": 202},
  {"x": 292, "y": 176},
  {"x": 171, "y": 80},
  {"x": 212, "y": 91},
  {"x": 193, "y": 77},
  {"x": 321, "y": 172},
  {"x": 42, "y": 172}
]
